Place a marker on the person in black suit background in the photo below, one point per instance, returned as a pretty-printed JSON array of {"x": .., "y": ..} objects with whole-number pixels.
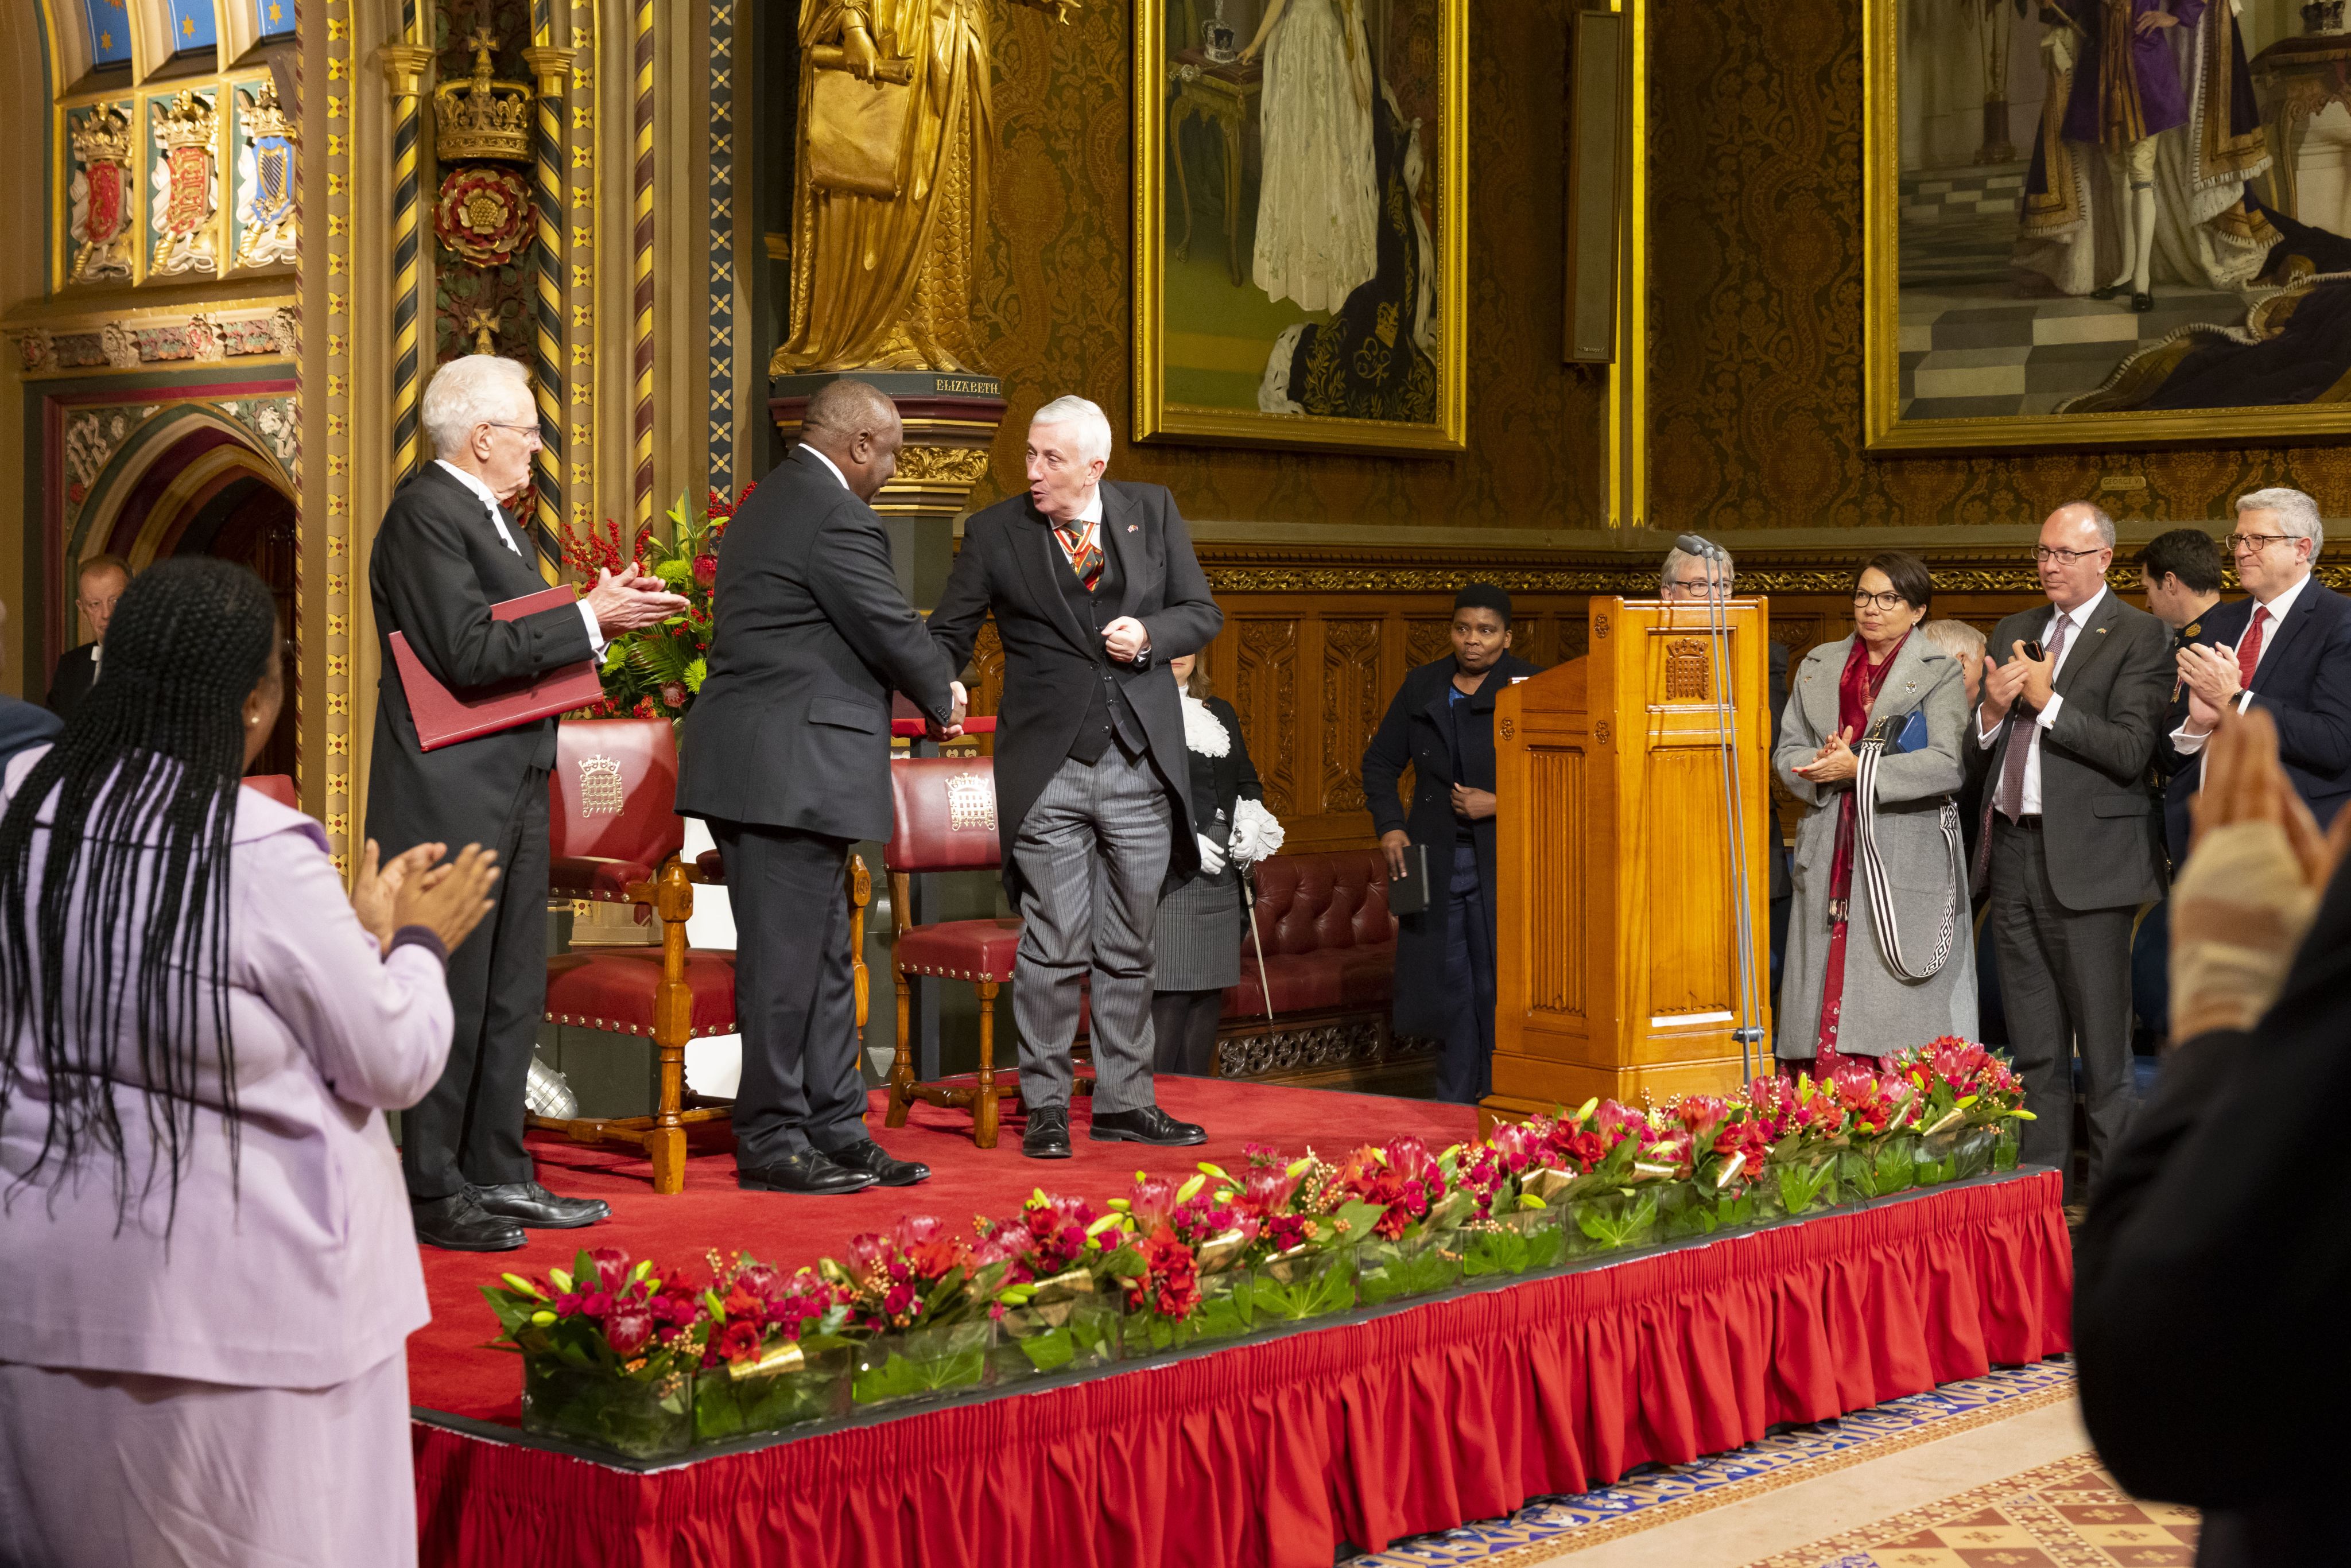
[
  {"x": 787, "y": 755},
  {"x": 2180, "y": 573},
  {"x": 2195, "y": 1258},
  {"x": 2286, "y": 650},
  {"x": 1095, "y": 588},
  {"x": 96, "y": 586},
  {"x": 443, "y": 556},
  {"x": 1441, "y": 723},
  {"x": 22, "y": 724},
  {"x": 1684, "y": 580}
]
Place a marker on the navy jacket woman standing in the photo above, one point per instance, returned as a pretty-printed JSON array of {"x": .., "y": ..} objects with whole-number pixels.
[{"x": 1441, "y": 723}]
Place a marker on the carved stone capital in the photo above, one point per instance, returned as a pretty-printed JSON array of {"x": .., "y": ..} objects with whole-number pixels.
[
  {"x": 551, "y": 65},
  {"x": 404, "y": 66}
]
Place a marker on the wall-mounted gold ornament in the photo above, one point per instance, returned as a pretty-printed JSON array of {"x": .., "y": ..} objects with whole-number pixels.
[
  {"x": 266, "y": 224},
  {"x": 481, "y": 116},
  {"x": 101, "y": 194},
  {"x": 186, "y": 181},
  {"x": 958, "y": 464},
  {"x": 484, "y": 326},
  {"x": 483, "y": 213}
]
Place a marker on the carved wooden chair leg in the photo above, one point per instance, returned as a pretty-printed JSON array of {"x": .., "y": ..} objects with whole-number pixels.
[
  {"x": 982, "y": 1110},
  {"x": 902, "y": 1060},
  {"x": 673, "y": 1026}
]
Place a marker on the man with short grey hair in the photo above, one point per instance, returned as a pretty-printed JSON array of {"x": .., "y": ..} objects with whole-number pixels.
[
  {"x": 2071, "y": 706},
  {"x": 2286, "y": 648},
  {"x": 445, "y": 554},
  {"x": 1685, "y": 580},
  {"x": 1094, "y": 586}
]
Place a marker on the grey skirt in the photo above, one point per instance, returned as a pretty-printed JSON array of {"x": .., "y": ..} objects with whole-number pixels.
[{"x": 1198, "y": 938}]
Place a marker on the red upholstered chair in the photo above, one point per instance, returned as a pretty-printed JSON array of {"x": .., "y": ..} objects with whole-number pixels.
[
  {"x": 278, "y": 787},
  {"x": 945, "y": 821},
  {"x": 614, "y": 836}
]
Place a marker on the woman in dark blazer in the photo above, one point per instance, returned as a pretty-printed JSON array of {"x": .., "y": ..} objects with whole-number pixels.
[
  {"x": 1198, "y": 935},
  {"x": 1442, "y": 724}
]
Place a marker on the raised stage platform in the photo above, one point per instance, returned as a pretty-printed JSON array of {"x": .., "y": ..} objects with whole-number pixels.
[{"x": 1271, "y": 1452}]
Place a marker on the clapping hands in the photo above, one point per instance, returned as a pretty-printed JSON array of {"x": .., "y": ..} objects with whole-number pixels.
[
  {"x": 631, "y": 601},
  {"x": 1834, "y": 763}
]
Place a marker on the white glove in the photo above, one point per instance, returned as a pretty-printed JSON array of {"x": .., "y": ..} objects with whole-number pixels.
[
  {"x": 1212, "y": 859},
  {"x": 1257, "y": 832}
]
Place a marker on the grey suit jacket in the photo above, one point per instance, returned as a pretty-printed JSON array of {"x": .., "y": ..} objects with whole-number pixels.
[{"x": 2094, "y": 804}]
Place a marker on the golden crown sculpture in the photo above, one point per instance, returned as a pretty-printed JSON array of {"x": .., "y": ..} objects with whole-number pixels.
[
  {"x": 104, "y": 137},
  {"x": 264, "y": 116},
  {"x": 188, "y": 122},
  {"x": 480, "y": 116}
]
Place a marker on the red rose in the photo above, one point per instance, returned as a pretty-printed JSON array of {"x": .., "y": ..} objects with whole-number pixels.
[
  {"x": 706, "y": 570},
  {"x": 627, "y": 1328}
]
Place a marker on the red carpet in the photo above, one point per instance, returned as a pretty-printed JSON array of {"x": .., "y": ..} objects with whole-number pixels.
[{"x": 451, "y": 1368}]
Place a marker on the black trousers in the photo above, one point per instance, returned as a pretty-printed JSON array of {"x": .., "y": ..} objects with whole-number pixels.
[
  {"x": 1465, "y": 1063},
  {"x": 2066, "y": 986},
  {"x": 794, "y": 993},
  {"x": 1184, "y": 1031},
  {"x": 469, "y": 1130}
]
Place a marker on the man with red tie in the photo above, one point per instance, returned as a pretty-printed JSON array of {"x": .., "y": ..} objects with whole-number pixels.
[{"x": 2286, "y": 650}]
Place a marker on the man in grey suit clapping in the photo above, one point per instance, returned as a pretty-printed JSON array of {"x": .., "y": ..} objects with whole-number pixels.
[{"x": 2073, "y": 704}]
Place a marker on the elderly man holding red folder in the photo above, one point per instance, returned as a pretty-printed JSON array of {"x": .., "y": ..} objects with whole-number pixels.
[{"x": 444, "y": 557}]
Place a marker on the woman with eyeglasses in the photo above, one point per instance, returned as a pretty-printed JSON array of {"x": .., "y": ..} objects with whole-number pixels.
[
  {"x": 1880, "y": 890},
  {"x": 211, "y": 1275}
]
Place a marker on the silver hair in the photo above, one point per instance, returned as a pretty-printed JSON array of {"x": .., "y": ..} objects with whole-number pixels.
[
  {"x": 1093, "y": 425},
  {"x": 2296, "y": 513},
  {"x": 2098, "y": 520},
  {"x": 1955, "y": 638},
  {"x": 1677, "y": 557},
  {"x": 479, "y": 389}
]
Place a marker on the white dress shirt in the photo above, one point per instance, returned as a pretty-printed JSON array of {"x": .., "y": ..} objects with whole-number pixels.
[
  {"x": 2030, "y": 802},
  {"x": 498, "y": 521},
  {"x": 831, "y": 466},
  {"x": 2186, "y": 741}
]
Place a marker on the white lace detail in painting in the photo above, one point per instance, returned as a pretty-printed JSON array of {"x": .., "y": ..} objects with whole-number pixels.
[
  {"x": 1203, "y": 732},
  {"x": 1318, "y": 199}
]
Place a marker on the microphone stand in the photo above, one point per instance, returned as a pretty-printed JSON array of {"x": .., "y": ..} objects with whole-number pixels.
[{"x": 1750, "y": 1031}]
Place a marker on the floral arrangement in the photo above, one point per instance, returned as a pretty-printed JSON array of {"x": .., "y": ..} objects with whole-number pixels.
[
  {"x": 611, "y": 1348},
  {"x": 657, "y": 672}
]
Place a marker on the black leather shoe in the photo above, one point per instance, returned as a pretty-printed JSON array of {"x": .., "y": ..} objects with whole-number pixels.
[
  {"x": 457, "y": 1224},
  {"x": 874, "y": 1161},
  {"x": 2110, "y": 291},
  {"x": 1145, "y": 1125},
  {"x": 1047, "y": 1137},
  {"x": 528, "y": 1203},
  {"x": 809, "y": 1173},
  {"x": 2142, "y": 302}
]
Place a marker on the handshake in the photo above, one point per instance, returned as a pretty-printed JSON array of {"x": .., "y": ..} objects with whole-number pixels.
[
  {"x": 954, "y": 725},
  {"x": 1257, "y": 833}
]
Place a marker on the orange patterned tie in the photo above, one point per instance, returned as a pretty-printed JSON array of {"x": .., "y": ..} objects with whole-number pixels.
[{"x": 1084, "y": 551}]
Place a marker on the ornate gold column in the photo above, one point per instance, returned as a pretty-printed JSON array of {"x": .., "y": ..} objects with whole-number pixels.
[
  {"x": 404, "y": 66},
  {"x": 550, "y": 69}
]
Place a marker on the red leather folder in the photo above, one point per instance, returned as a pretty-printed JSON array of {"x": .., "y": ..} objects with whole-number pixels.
[{"x": 445, "y": 717}]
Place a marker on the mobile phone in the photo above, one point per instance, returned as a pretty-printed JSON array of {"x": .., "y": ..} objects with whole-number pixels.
[{"x": 2034, "y": 652}]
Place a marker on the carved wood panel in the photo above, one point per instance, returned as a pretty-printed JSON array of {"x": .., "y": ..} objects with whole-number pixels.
[
  {"x": 1265, "y": 695},
  {"x": 1353, "y": 702}
]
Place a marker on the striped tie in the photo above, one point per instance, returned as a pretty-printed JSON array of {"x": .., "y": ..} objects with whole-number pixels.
[
  {"x": 1084, "y": 551},
  {"x": 2020, "y": 740}
]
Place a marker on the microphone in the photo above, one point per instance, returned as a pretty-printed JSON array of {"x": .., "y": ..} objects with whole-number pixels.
[{"x": 1691, "y": 545}]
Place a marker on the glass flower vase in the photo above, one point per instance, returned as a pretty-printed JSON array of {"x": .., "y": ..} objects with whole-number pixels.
[
  {"x": 1411, "y": 1266},
  {"x": 1609, "y": 1221},
  {"x": 1804, "y": 1183},
  {"x": 783, "y": 1389},
  {"x": 916, "y": 1362},
  {"x": 1055, "y": 1336},
  {"x": 640, "y": 1417},
  {"x": 1519, "y": 1242},
  {"x": 1303, "y": 1285}
]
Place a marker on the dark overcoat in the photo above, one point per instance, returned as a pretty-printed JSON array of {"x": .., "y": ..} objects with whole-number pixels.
[
  {"x": 1417, "y": 731},
  {"x": 1011, "y": 566}
]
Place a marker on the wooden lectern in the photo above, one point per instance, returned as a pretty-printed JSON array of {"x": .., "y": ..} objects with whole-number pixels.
[{"x": 1618, "y": 962}]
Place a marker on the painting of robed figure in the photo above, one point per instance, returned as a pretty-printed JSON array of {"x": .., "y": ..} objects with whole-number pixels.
[
  {"x": 2105, "y": 220},
  {"x": 1299, "y": 218}
]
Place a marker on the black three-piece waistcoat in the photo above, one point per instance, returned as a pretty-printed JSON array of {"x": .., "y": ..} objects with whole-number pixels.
[{"x": 1108, "y": 717}]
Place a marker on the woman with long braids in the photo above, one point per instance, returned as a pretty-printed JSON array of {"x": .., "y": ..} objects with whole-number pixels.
[{"x": 210, "y": 1272}]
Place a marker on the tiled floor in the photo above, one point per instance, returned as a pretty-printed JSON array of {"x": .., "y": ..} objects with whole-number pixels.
[
  {"x": 1959, "y": 225},
  {"x": 1809, "y": 1457},
  {"x": 1969, "y": 351}
]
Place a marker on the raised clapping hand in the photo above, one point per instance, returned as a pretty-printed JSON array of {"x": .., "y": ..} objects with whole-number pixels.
[
  {"x": 2001, "y": 683},
  {"x": 2210, "y": 677},
  {"x": 1834, "y": 763},
  {"x": 633, "y": 602},
  {"x": 2251, "y": 883},
  {"x": 449, "y": 900}
]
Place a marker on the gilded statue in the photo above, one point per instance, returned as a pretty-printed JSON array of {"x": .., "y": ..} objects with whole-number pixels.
[{"x": 895, "y": 129}]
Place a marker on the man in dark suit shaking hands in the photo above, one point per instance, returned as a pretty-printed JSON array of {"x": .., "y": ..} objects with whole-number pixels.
[
  {"x": 788, "y": 756},
  {"x": 2071, "y": 706},
  {"x": 2286, "y": 650},
  {"x": 1094, "y": 587},
  {"x": 444, "y": 555}
]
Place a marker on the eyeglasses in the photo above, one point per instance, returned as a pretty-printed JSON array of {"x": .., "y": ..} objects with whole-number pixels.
[
  {"x": 1883, "y": 601},
  {"x": 529, "y": 430},
  {"x": 2063, "y": 557},
  {"x": 2253, "y": 544}
]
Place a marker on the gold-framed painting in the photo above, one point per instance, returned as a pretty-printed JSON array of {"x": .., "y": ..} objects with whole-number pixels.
[
  {"x": 1301, "y": 179},
  {"x": 2094, "y": 222}
]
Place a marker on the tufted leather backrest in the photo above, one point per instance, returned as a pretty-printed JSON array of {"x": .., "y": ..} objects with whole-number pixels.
[
  {"x": 944, "y": 814},
  {"x": 613, "y": 793},
  {"x": 1321, "y": 902}
]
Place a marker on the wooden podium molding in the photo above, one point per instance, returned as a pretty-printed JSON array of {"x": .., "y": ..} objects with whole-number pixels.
[{"x": 1617, "y": 968}]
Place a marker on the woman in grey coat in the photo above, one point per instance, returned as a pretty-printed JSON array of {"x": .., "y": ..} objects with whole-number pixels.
[{"x": 1841, "y": 997}]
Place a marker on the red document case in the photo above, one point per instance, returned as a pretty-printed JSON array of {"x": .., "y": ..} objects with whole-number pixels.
[{"x": 444, "y": 717}]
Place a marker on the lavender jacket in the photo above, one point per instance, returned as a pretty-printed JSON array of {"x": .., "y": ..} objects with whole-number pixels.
[{"x": 306, "y": 1273}]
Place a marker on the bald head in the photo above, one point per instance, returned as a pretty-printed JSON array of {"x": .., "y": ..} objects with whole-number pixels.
[
  {"x": 2076, "y": 547},
  {"x": 856, "y": 426}
]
